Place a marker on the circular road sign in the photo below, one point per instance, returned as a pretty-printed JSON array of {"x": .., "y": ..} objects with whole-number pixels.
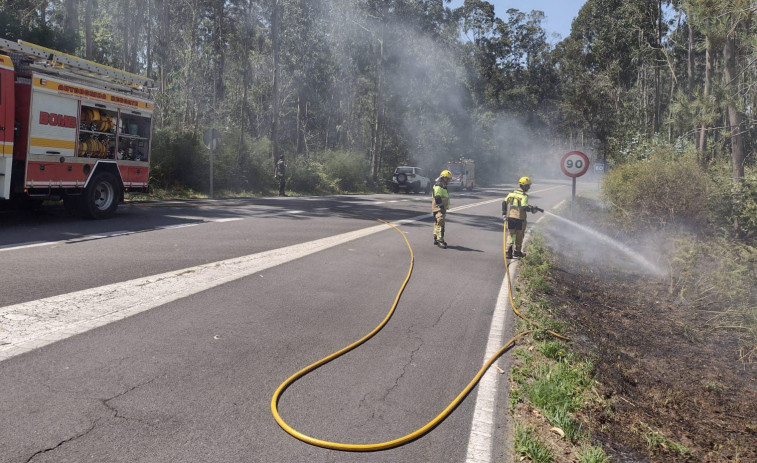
[
  {"x": 574, "y": 164},
  {"x": 211, "y": 138}
]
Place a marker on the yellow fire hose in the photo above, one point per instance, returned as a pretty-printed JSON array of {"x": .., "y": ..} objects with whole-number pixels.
[{"x": 428, "y": 426}]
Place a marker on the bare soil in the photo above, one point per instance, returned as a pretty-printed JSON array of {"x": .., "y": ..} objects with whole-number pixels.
[{"x": 665, "y": 377}]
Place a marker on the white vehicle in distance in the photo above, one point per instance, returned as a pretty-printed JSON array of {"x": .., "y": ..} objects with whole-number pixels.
[{"x": 410, "y": 179}]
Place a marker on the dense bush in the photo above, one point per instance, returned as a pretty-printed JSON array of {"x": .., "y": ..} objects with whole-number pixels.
[
  {"x": 243, "y": 164},
  {"x": 332, "y": 172},
  {"x": 346, "y": 171},
  {"x": 180, "y": 160},
  {"x": 736, "y": 205},
  {"x": 306, "y": 175},
  {"x": 665, "y": 188},
  {"x": 715, "y": 273}
]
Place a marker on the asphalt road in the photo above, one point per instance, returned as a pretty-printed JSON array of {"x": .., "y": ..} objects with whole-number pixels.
[{"x": 97, "y": 364}]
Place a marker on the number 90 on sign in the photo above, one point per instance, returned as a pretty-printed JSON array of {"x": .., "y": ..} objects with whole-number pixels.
[{"x": 574, "y": 164}]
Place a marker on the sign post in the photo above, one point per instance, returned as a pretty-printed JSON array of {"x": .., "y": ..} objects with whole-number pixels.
[
  {"x": 211, "y": 138},
  {"x": 574, "y": 164}
]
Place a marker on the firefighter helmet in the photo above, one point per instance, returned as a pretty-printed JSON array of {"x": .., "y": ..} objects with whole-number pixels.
[
  {"x": 524, "y": 181},
  {"x": 446, "y": 174}
]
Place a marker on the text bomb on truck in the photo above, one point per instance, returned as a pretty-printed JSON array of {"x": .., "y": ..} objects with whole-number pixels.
[{"x": 71, "y": 130}]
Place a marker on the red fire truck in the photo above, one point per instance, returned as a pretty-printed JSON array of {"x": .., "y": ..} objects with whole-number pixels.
[
  {"x": 71, "y": 130},
  {"x": 463, "y": 174}
]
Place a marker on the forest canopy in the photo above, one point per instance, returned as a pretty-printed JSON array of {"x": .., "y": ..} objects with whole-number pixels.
[{"x": 349, "y": 89}]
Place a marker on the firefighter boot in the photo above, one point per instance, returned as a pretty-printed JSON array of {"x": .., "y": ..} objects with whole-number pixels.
[
  {"x": 436, "y": 242},
  {"x": 509, "y": 253},
  {"x": 519, "y": 254}
]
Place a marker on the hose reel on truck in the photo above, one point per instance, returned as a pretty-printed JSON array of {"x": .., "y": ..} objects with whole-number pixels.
[{"x": 84, "y": 130}]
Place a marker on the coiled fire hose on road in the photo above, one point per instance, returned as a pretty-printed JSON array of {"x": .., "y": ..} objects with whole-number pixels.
[{"x": 431, "y": 424}]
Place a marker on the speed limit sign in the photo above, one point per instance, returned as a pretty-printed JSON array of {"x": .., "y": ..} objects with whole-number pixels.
[{"x": 574, "y": 164}]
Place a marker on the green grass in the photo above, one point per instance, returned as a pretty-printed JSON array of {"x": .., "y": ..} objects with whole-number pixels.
[
  {"x": 555, "y": 350},
  {"x": 592, "y": 454},
  {"x": 714, "y": 387},
  {"x": 527, "y": 444},
  {"x": 562, "y": 418},
  {"x": 549, "y": 376},
  {"x": 656, "y": 440},
  {"x": 559, "y": 385}
]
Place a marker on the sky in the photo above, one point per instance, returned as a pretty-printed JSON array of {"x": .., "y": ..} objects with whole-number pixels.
[{"x": 559, "y": 13}]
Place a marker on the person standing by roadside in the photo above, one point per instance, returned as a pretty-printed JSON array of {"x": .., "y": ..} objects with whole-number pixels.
[
  {"x": 514, "y": 209},
  {"x": 440, "y": 206},
  {"x": 281, "y": 174}
]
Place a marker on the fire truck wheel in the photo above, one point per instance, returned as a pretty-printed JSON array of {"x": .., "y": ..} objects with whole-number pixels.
[{"x": 100, "y": 199}]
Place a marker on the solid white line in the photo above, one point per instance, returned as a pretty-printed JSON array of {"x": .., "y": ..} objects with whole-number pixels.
[
  {"x": 30, "y": 325},
  {"x": 232, "y": 219},
  {"x": 35, "y": 244},
  {"x": 483, "y": 423},
  {"x": 31, "y": 244},
  {"x": 482, "y": 426}
]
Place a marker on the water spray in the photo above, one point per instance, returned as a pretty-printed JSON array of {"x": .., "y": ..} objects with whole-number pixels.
[{"x": 638, "y": 258}]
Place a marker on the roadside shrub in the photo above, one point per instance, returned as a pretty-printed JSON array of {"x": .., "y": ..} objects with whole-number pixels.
[
  {"x": 178, "y": 160},
  {"x": 307, "y": 175},
  {"x": 718, "y": 275},
  {"x": 735, "y": 204},
  {"x": 345, "y": 171},
  {"x": 242, "y": 164},
  {"x": 662, "y": 189},
  {"x": 181, "y": 161},
  {"x": 715, "y": 273}
]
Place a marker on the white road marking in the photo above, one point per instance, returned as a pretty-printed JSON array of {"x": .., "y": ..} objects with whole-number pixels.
[
  {"x": 198, "y": 218},
  {"x": 52, "y": 319},
  {"x": 99, "y": 236},
  {"x": 31, "y": 244},
  {"x": 482, "y": 426},
  {"x": 30, "y": 325},
  {"x": 480, "y": 441},
  {"x": 230, "y": 219}
]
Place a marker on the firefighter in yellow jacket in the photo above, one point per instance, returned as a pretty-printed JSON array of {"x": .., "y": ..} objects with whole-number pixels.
[
  {"x": 440, "y": 206},
  {"x": 514, "y": 209}
]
